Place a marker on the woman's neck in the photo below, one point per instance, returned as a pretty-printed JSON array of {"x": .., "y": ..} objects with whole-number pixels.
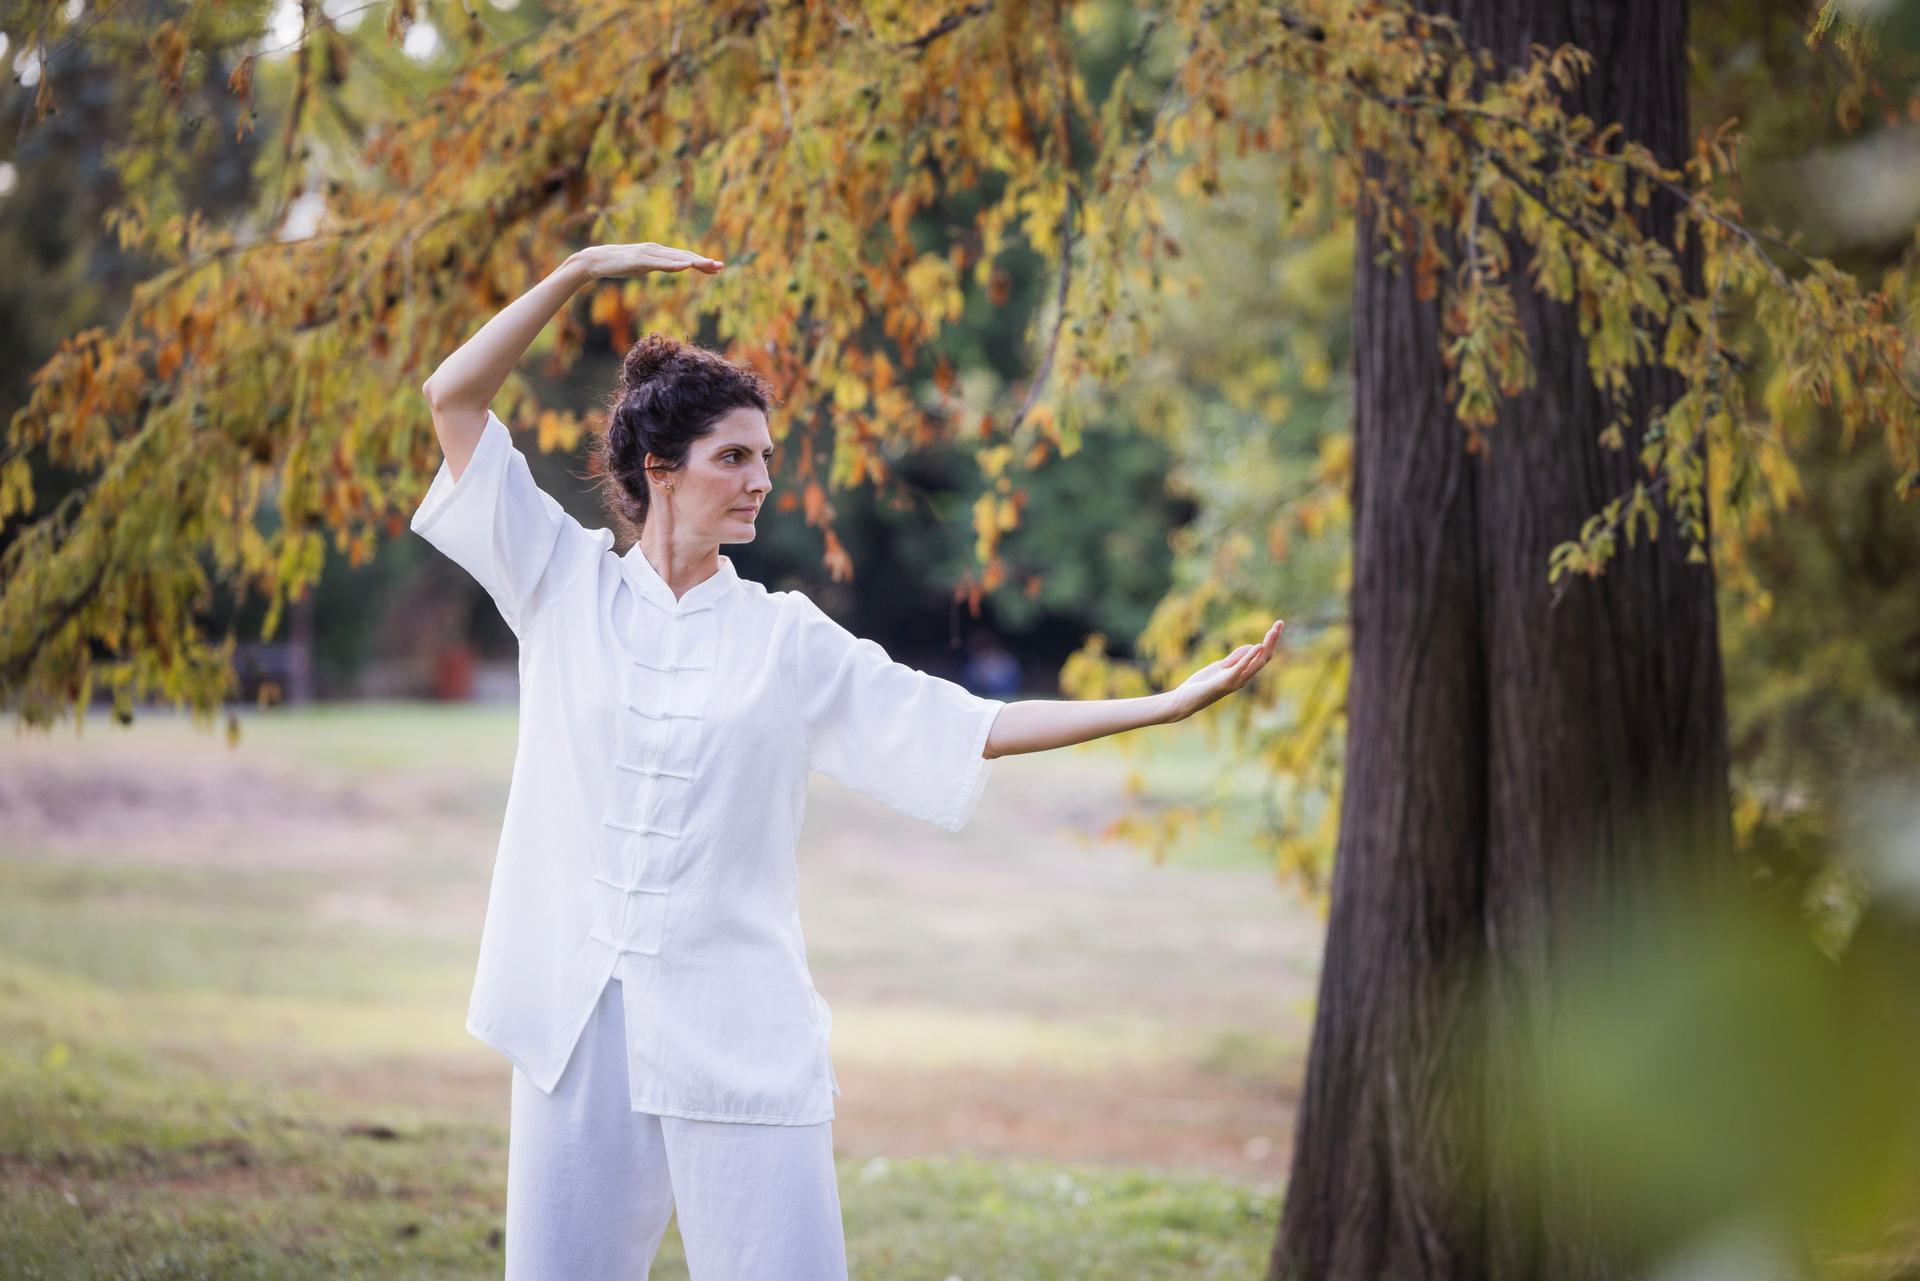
[{"x": 683, "y": 568}]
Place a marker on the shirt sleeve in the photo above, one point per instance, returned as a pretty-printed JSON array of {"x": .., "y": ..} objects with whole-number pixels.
[
  {"x": 496, "y": 523},
  {"x": 907, "y": 738}
]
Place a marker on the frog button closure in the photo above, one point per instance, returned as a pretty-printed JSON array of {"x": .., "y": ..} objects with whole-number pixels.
[{"x": 664, "y": 683}]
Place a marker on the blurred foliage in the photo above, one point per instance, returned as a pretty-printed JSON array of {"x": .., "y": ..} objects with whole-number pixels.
[
  {"x": 1745, "y": 1105},
  {"x": 1820, "y": 579}
]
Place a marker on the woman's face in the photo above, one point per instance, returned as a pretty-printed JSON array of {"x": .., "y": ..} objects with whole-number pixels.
[{"x": 718, "y": 495}]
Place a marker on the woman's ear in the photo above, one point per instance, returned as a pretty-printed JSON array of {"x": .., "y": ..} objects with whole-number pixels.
[{"x": 663, "y": 477}]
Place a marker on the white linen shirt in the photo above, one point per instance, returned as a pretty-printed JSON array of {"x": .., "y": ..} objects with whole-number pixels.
[{"x": 658, "y": 788}]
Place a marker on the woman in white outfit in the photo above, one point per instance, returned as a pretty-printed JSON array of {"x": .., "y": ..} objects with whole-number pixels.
[{"x": 641, "y": 961}]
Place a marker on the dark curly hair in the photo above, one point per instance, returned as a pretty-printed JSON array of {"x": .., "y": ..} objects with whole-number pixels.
[{"x": 669, "y": 395}]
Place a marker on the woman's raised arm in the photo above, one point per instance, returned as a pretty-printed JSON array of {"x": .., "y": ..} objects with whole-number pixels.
[
  {"x": 1034, "y": 725},
  {"x": 464, "y": 385}
]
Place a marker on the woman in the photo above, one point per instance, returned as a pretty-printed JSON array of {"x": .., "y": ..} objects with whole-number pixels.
[{"x": 641, "y": 962}]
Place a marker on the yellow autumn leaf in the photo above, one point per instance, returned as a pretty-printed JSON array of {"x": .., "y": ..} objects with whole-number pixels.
[
  {"x": 985, "y": 513},
  {"x": 849, "y": 392},
  {"x": 993, "y": 459},
  {"x": 1336, "y": 458}
]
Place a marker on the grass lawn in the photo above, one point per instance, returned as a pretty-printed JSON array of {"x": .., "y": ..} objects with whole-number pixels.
[
  {"x": 119, "y": 1165},
  {"x": 231, "y": 1040}
]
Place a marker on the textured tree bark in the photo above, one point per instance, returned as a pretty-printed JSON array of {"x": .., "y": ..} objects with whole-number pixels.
[{"x": 1514, "y": 771}]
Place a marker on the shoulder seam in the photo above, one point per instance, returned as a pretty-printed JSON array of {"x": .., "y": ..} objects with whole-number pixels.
[{"x": 561, "y": 586}]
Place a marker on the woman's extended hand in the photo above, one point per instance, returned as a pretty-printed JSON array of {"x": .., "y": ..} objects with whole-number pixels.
[
  {"x": 637, "y": 260},
  {"x": 1224, "y": 675}
]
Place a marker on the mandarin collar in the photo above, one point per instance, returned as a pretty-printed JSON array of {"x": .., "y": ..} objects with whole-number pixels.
[{"x": 646, "y": 580}]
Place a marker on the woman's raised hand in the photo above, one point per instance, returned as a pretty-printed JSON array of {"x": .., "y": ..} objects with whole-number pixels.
[
  {"x": 1224, "y": 675},
  {"x": 637, "y": 260}
]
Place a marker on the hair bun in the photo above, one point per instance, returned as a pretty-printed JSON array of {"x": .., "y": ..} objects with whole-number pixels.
[{"x": 648, "y": 357}]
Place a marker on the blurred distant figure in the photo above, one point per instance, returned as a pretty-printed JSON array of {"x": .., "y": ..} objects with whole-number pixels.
[
  {"x": 991, "y": 668},
  {"x": 453, "y": 671}
]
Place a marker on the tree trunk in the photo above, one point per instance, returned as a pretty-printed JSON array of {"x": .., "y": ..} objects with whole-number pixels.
[{"x": 1514, "y": 770}]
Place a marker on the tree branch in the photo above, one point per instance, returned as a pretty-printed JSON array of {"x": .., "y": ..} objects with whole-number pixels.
[{"x": 946, "y": 25}]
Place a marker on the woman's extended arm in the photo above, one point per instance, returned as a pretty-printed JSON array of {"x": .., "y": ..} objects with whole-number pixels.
[
  {"x": 1034, "y": 725},
  {"x": 464, "y": 385}
]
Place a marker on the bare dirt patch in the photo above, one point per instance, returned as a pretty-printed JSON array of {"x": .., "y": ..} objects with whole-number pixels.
[
  {"x": 213, "y": 811},
  {"x": 1179, "y": 1118},
  {"x": 1176, "y": 1117}
]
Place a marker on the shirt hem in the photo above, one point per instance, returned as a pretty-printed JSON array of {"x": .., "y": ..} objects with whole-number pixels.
[
  {"x": 750, "y": 1118},
  {"x": 658, "y": 1109},
  {"x": 544, "y": 1085},
  {"x": 510, "y": 1057}
]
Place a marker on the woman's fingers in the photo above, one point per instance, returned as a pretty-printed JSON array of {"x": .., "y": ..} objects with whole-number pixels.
[
  {"x": 1256, "y": 656},
  {"x": 1265, "y": 643},
  {"x": 691, "y": 259},
  {"x": 1272, "y": 641}
]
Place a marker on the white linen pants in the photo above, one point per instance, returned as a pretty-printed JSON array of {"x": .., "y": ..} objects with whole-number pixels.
[{"x": 591, "y": 1183}]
